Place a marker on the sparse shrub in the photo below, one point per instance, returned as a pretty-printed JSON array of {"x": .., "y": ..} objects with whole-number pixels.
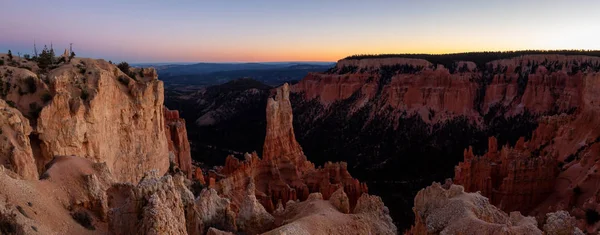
[
  {"x": 82, "y": 70},
  {"x": 71, "y": 56},
  {"x": 27, "y": 57},
  {"x": 141, "y": 72},
  {"x": 84, "y": 219},
  {"x": 124, "y": 67},
  {"x": 591, "y": 216},
  {"x": 124, "y": 80},
  {"x": 10, "y": 56},
  {"x": 62, "y": 60},
  {"x": 1, "y": 62}
]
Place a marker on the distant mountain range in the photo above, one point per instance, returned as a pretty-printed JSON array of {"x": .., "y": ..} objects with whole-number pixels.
[{"x": 273, "y": 73}]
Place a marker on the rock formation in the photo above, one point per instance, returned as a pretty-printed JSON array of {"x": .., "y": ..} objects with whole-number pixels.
[
  {"x": 317, "y": 216},
  {"x": 105, "y": 116},
  {"x": 151, "y": 207},
  {"x": 284, "y": 173},
  {"x": 452, "y": 211},
  {"x": 178, "y": 141},
  {"x": 511, "y": 178},
  {"x": 15, "y": 149}
]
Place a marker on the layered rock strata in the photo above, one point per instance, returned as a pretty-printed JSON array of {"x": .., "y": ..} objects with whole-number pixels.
[
  {"x": 177, "y": 141},
  {"x": 283, "y": 173}
]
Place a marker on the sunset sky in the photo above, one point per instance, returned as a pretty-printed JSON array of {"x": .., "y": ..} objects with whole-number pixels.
[{"x": 277, "y": 30}]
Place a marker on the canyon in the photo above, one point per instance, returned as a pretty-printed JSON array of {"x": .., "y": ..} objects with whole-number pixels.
[
  {"x": 89, "y": 148},
  {"x": 517, "y": 126}
]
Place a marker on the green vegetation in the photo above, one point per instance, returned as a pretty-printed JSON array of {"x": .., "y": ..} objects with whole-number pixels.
[
  {"x": 46, "y": 58},
  {"x": 71, "y": 56},
  {"x": 124, "y": 80},
  {"x": 1, "y": 62},
  {"x": 125, "y": 68}
]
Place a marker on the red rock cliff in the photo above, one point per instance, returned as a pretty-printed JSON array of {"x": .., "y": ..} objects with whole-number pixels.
[
  {"x": 512, "y": 178},
  {"x": 538, "y": 83},
  {"x": 284, "y": 173},
  {"x": 178, "y": 141}
]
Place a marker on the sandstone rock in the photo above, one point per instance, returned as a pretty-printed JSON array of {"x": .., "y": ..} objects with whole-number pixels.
[
  {"x": 284, "y": 173},
  {"x": 15, "y": 148},
  {"x": 215, "y": 211},
  {"x": 148, "y": 208},
  {"x": 104, "y": 116},
  {"x": 252, "y": 217},
  {"x": 561, "y": 222},
  {"x": 321, "y": 217},
  {"x": 511, "y": 178},
  {"x": 372, "y": 207},
  {"x": 452, "y": 211},
  {"x": 178, "y": 141},
  {"x": 340, "y": 200}
]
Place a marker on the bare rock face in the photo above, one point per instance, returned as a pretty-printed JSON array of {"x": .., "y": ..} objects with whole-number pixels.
[
  {"x": 252, "y": 217},
  {"x": 317, "y": 216},
  {"x": 499, "y": 175},
  {"x": 215, "y": 211},
  {"x": 452, "y": 211},
  {"x": 105, "y": 116},
  {"x": 151, "y": 207},
  {"x": 280, "y": 142},
  {"x": 284, "y": 173},
  {"x": 340, "y": 200},
  {"x": 15, "y": 148},
  {"x": 561, "y": 222},
  {"x": 178, "y": 141}
]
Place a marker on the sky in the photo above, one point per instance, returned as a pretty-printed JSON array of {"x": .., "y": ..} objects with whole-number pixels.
[{"x": 307, "y": 30}]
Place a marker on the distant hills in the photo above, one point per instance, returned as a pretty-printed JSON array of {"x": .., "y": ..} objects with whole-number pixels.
[{"x": 273, "y": 73}]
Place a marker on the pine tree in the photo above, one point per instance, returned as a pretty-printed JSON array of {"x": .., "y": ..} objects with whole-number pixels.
[{"x": 10, "y": 56}]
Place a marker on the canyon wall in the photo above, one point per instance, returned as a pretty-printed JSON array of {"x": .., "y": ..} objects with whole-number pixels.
[
  {"x": 283, "y": 173},
  {"x": 177, "y": 141}
]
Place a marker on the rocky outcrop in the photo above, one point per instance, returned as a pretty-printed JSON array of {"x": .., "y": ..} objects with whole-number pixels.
[
  {"x": 512, "y": 178},
  {"x": 252, "y": 217},
  {"x": 177, "y": 141},
  {"x": 215, "y": 211},
  {"x": 537, "y": 83},
  {"x": 151, "y": 207},
  {"x": 283, "y": 173},
  {"x": 317, "y": 216},
  {"x": 452, "y": 211},
  {"x": 340, "y": 200},
  {"x": 100, "y": 113},
  {"x": 561, "y": 222},
  {"x": 15, "y": 148}
]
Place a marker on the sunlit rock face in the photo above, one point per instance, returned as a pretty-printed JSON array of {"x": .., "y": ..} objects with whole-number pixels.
[{"x": 99, "y": 113}]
